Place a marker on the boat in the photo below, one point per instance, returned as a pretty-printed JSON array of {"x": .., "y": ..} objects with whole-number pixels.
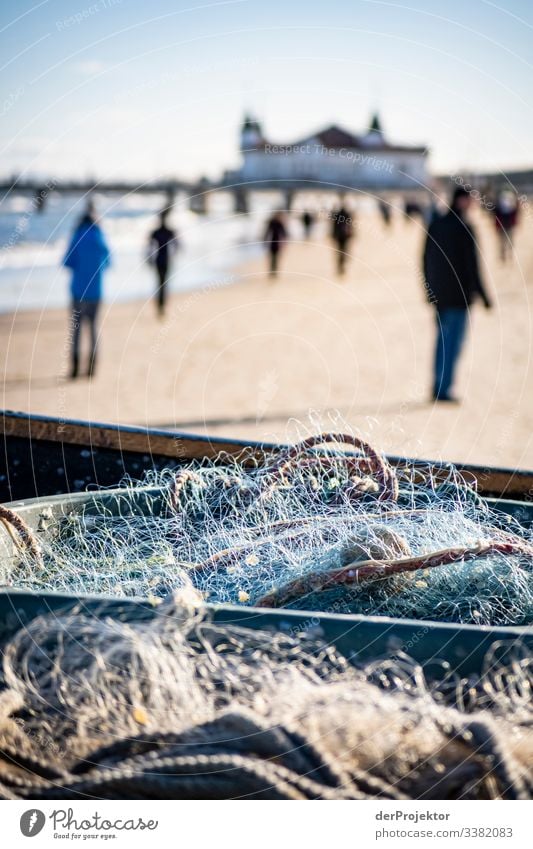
[
  {"x": 57, "y": 471},
  {"x": 55, "y": 467},
  {"x": 45, "y": 456}
]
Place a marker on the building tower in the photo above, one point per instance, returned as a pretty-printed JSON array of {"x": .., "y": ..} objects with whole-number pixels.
[
  {"x": 251, "y": 133},
  {"x": 374, "y": 134}
]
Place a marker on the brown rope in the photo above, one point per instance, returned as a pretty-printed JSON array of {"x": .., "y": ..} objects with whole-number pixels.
[
  {"x": 370, "y": 461},
  {"x": 229, "y": 556},
  {"x": 26, "y": 538},
  {"x": 299, "y": 457},
  {"x": 367, "y": 570},
  {"x": 180, "y": 482}
]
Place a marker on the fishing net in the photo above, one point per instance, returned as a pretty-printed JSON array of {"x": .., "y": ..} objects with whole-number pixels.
[
  {"x": 325, "y": 525},
  {"x": 180, "y": 707}
]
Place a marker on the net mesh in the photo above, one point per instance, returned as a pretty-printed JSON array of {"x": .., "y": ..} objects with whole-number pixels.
[
  {"x": 180, "y": 707},
  {"x": 314, "y": 527}
]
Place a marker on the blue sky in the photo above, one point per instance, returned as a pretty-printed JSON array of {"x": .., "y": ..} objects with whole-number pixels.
[{"x": 129, "y": 88}]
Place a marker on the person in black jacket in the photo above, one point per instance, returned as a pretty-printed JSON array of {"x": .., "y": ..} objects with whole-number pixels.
[
  {"x": 453, "y": 283},
  {"x": 342, "y": 231},
  {"x": 275, "y": 236},
  {"x": 308, "y": 220},
  {"x": 163, "y": 243}
]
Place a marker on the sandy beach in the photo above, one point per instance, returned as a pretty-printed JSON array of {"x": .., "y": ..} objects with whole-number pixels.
[{"x": 264, "y": 359}]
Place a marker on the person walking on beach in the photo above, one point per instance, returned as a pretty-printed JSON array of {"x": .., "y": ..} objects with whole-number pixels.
[
  {"x": 308, "y": 220},
  {"x": 506, "y": 219},
  {"x": 87, "y": 257},
  {"x": 385, "y": 212},
  {"x": 163, "y": 244},
  {"x": 412, "y": 209},
  {"x": 275, "y": 237},
  {"x": 453, "y": 282},
  {"x": 342, "y": 232}
]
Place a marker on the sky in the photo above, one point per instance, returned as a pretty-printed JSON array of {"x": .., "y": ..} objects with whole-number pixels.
[{"x": 126, "y": 88}]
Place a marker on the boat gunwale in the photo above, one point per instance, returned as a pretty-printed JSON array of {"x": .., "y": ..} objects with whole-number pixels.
[{"x": 183, "y": 447}]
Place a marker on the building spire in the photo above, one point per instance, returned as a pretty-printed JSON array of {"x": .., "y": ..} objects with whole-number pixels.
[
  {"x": 375, "y": 124},
  {"x": 250, "y": 123},
  {"x": 251, "y": 132},
  {"x": 374, "y": 134}
]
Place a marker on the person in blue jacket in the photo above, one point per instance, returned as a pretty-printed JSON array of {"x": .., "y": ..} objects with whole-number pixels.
[{"x": 87, "y": 257}]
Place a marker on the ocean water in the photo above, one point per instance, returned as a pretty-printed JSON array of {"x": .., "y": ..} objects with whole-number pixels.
[{"x": 32, "y": 245}]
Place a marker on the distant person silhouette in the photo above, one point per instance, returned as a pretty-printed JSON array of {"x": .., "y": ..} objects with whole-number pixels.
[
  {"x": 163, "y": 244},
  {"x": 87, "y": 257},
  {"x": 275, "y": 237},
  {"x": 412, "y": 209},
  {"x": 385, "y": 212},
  {"x": 342, "y": 232},
  {"x": 453, "y": 282},
  {"x": 506, "y": 219},
  {"x": 308, "y": 220}
]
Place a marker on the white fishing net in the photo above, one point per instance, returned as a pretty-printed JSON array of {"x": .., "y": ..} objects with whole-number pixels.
[
  {"x": 180, "y": 707},
  {"x": 326, "y": 525}
]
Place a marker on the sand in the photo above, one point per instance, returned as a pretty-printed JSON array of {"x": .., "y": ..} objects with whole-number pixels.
[{"x": 249, "y": 358}]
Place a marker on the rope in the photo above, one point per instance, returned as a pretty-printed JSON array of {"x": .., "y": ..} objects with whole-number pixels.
[
  {"x": 485, "y": 743},
  {"x": 366, "y": 570},
  {"x": 24, "y": 538},
  {"x": 229, "y": 712},
  {"x": 372, "y": 461},
  {"x": 178, "y": 486}
]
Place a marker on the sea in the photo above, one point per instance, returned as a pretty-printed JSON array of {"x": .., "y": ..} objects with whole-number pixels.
[{"x": 33, "y": 243}]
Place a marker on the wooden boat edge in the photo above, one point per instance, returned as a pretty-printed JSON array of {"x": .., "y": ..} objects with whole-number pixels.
[{"x": 184, "y": 447}]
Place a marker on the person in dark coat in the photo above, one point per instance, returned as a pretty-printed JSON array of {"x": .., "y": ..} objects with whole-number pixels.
[
  {"x": 412, "y": 210},
  {"x": 275, "y": 236},
  {"x": 342, "y": 232},
  {"x": 506, "y": 219},
  {"x": 308, "y": 220},
  {"x": 453, "y": 283},
  {"x": 87, "y": 257},
  {"x": 385, "y": 212},
  {"x": 163, "y": 244}
]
